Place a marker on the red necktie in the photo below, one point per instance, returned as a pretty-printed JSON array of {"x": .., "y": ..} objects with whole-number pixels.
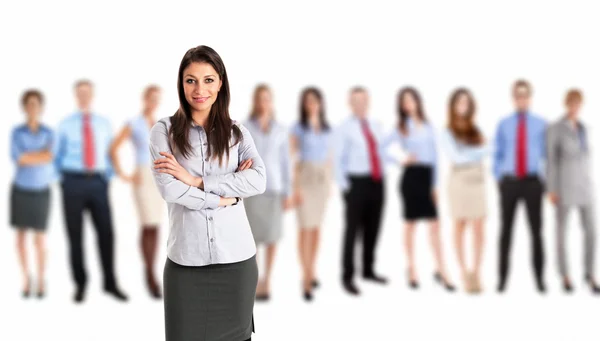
[
  {"x": 373, "y": 156},
  {"x": 88, "y": 142},
  {"x": 521, "y": 164}
]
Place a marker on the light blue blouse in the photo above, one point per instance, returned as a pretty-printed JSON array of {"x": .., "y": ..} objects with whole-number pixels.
[{"x": 314, "y": 146}]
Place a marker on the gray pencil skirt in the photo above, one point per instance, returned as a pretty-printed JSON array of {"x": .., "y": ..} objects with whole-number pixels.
[
  {"x": 210, "y": 303},
  {"x": 29, "y": 209}
]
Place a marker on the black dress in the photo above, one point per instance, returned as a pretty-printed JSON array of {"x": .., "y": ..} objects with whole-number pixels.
[{"x": 416, "y": 187}]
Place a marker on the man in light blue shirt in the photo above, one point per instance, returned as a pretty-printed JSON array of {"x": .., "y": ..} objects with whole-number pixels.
[
  {"x": 518, "y": 163},
  {"x": 359, "y": 173},
  {"x": 82, "y": 157}
]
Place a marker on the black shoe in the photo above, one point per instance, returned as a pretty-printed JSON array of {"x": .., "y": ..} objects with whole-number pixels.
[
  {"x": 315, "y": 283},
  {"x": 592, "y": 283},
  {"x": 308, "y": 296},
  {"x": 41, "y": 292},
  {"x": 117, "y": 294},
  {"x": 79, "y": 295},
  {"x": 442, "y": 281},
  {"x": 375, "y": 278},
  {"x": 541, "y": 287},
  {"x": 351, "y": 288},
  {"x": 567, "y": 287},
  {"x": 27, "y": 291},
  {"x": 412, "y": 283},
  {"x": 262, "y": 297}
]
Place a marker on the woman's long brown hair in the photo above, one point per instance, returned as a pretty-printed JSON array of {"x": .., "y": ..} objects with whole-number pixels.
[
  {"x": 462, "y": 127},
  {"x": 219, "y": 126},
  {"x": 403, "y": 114}
]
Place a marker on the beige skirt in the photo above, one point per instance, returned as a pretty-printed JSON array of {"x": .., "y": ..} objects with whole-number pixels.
[
  {"x": 314, "y": 183},
  {"x": 149, "y": 203},
  {"x": 467, "y": 192}
]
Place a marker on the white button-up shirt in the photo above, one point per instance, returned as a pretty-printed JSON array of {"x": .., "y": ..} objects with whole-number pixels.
[{"x": 201, "y": 232}]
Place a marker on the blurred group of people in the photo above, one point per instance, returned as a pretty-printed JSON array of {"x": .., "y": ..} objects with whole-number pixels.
[
  {"x": 529, "y": 158},
  {"x": 82, "y": 153}
]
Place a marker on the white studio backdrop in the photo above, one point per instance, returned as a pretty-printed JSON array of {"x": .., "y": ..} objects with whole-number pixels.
[{"x": 433, "y": 45}]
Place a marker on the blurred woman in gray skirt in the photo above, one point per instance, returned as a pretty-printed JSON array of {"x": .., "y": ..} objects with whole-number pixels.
[
  {"x": 265, "y": 211},
  {"x": 204, "y": 165},
  {"x": 32, "y": 149}
]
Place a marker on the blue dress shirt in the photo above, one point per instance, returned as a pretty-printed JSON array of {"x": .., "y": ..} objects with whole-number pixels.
[
  {"x": 419, "y": 142},
  {"x": 351, "y": 150},
  {"x": 140, "y": 135},
  {"x": 506, "y": 146},
  {"x": 23, "y": 140},
  {"x": 69, "y": 157},
  {"x": 274, "y": 148},
  {"x": 314, "y": 146},
  {"x": 461, "y": 153}
]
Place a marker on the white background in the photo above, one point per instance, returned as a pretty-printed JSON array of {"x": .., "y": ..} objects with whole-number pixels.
[{"x": 434, "y": 45}]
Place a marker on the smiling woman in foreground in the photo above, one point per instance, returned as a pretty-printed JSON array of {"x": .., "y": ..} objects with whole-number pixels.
[{"x": 204, "y": 165}]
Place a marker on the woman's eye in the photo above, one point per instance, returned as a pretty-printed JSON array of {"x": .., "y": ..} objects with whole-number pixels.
[
  {"x": 189, "y": 81},
  {"x": 209, "y": 80}
]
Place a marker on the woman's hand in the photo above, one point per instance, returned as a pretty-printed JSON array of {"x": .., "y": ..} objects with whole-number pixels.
[
  {"x": 298, "y": 198},
  {"x": 409, "y": 160},
  {"x": 169, "y": 165},
  {"x": 288, "y": 203},
  {"x": 246, "y": 164},
  {"x": 434, "y": 196}
]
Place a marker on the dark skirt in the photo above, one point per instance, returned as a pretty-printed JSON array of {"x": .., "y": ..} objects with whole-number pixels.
[
  {"x": 29, "y": 208},
  {"x": 210, "y": 303},
  {"x": 416, "y": 187}
]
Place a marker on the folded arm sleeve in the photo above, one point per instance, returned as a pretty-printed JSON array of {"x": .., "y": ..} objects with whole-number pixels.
[
  {"x": 171, "y": 189},
  {"x": 243, "y": 184}
]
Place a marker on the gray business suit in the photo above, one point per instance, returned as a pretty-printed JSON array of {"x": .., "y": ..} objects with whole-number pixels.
[{"x": 569, "y": 176}]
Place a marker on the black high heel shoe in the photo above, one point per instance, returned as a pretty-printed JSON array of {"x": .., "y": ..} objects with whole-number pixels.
[
  {"x": 412, "y": 283},
  {"x": 592, "y": 283},
  {"x": 41, "y": 292},
  {"x": 27, "y": 290},
  {"x": 567, "y": 286},
  {"x": 442, "y": 281}
]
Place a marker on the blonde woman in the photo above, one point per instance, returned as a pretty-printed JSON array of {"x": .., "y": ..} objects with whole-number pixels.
[
  {"x": 265, "y": 211},
  {"x": 149, "y": 203}
]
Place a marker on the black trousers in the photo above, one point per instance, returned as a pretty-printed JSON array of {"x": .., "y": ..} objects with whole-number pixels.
[
  {"x": 83, "y": 192},
  {"x": 513, "y": 190},
  {"x": 364, "y": 203}
]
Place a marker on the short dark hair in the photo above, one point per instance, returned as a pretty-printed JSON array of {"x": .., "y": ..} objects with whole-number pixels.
[
  {"x": 357, "y": 89},
  {"x": 521, "y": 83},
  {"x": 32, "y": 93},
  {"x": 83, "y": 82}
]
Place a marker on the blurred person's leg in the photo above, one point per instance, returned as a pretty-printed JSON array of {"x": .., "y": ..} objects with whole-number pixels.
[
  {"x": 509, "y": 197},
  {"x": 315, "y": 236},
  {"x": 149, "y": 241},
  {"x": 534, "y": 191},
  {"x": 478, "y": 244},
  {"x": 436, "y": 248},
  {"x": 40, "y": 248},
  {"x": 459, "y": 244},
  {"x": 372, "y": 227},
  {"x": 270, "y": 251},
  {"x": 101, "y": 216},
  {"x": 355, "y": 205},
  {"x": 409, "y": 246},
  {"x": 74, "y": 200},
  {"x": 562, "y": 213},
  {"x": 589, "y": 235},
  {"x": 304, "y": 253},
  {"x": 22, "y": 253}
]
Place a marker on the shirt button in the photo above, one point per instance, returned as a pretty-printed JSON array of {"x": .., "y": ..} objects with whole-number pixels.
[
  {"x": 210, "y": 218},
  {"x": 212, "y": 240}
]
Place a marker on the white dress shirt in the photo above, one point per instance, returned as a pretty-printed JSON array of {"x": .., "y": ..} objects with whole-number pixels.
[{"x": 201, "y": 232}]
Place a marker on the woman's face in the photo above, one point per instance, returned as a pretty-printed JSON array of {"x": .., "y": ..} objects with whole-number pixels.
[
  {"x": 152, "y": 100},
  {"x": 462, "y": 104},
  {"x": 409, "y": 104},
  {"x": 33, "y": 108},
  {"x": 201, "y": 85},
  {"x": 264, "y": 104},
  {"x": 573, "y": 107},
  {"x": 312, "y": 105}
]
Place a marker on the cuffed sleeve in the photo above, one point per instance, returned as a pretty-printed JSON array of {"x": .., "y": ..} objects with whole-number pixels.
[
  {"x": 171, "y": 189},
  {"x": 243, "y": 184}
]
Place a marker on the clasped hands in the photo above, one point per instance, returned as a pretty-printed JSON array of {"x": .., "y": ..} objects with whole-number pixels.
[{"x": 169, "y": 165}]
